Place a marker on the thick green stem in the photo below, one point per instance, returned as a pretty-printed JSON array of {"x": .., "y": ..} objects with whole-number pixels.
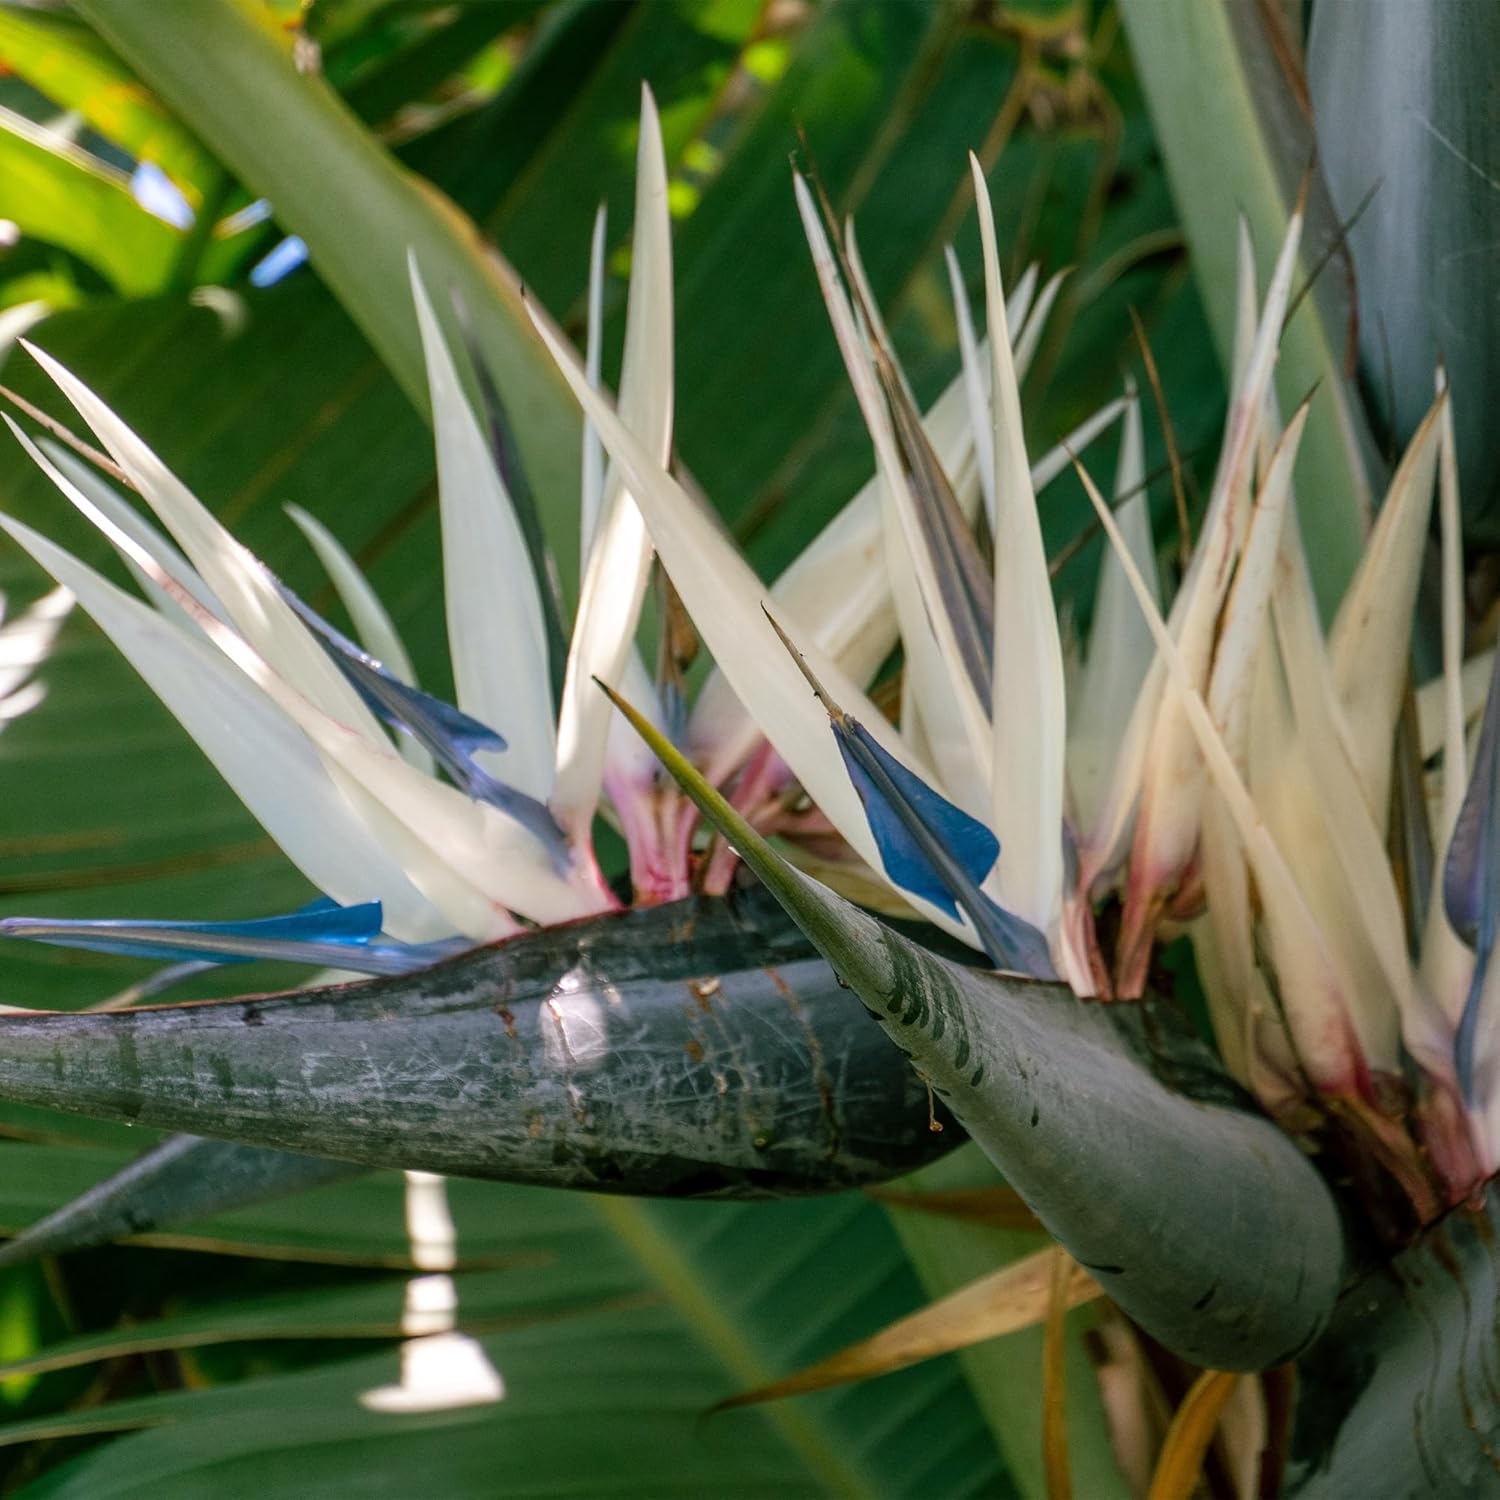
[{"x": 696, "y": 1050}]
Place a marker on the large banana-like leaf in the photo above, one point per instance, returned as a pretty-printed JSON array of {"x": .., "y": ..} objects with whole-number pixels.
[
  {"x": 612, "y": 1325},
  {"x": 290, "y": 137},
  {"x": 1222, "y": 79},
  {"x": 1403, "y": 103}
]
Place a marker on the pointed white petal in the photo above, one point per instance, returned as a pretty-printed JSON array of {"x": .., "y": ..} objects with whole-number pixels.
[
  {"x": 496, "y": 637},
  {"x": 1029, "y": 713},
  {"x": 1369, "y": 642},
  {"x": 614, "y": 583},
  {"x": 1314, "y": 986},
  {"x": 592, "y": 489},
  {"x": 1030, "y": 334},
  {"x": 1120, "y": 645},
  {"x": 235, "y": 576},
  {"x": 1334, "y": 843},
  {"x": 103, "y": 496},
  {"x": 1018, "y": 305},
  {"x": 724, "y": 598},
  {"x": 1055, "y": 460},
  {"x": 976, "y": 384},
  {"x": 1243, "y": 628},
  {"x": 951, "y": 708},
  {"x": 264, "y": 757},
  {"x": 1447, "y": 964},
  {"x": 472, "y": 861},
  {"x": 1170, "y": 771},
  {"x": 837, "y": 592},
  {"x": 372, "y": 625}
]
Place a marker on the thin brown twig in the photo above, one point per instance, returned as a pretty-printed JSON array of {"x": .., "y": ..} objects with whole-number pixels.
[
  {"x": 1153, "y": 377},
  {"x": 77, "y": 444},
  {"x": 1086, "y": 533}
]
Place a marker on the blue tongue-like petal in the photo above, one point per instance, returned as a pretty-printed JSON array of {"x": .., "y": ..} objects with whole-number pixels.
[
  {"x": 936, "y": 850},
  {"x": 450, "y": 735},
  {"x": 1471, "y": 877},
  {"x": 323, "y": 934}
]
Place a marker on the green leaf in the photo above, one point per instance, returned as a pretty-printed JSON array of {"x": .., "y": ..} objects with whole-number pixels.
[
  {"x": 1204, "y": 1223},
  {"x": 1223, "y": 103},
  {"x": 228, "y": 69},
  {"x": 57, "y": 192},
  {"x": 1427, "y": 139},
  {"x": 76, "y": 71},
  {"x": 616, "y": 1314}
]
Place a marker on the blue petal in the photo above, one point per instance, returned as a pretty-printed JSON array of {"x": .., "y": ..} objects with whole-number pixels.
[
  {"x": 322, "y": 933},
  {"x": 971, "y": 846},
  {"x": 936, "y": 850},
  {"x": 448, "y": 733},
  {"x": 1471, "y": 877}
]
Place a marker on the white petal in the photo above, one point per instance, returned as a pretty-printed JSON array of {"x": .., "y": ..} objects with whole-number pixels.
[
  {"x": 1018, "y": 305},
  {"x": 496, "y": 637},
  {"x": 951, "y": 710},
  {"x": 614, "y": 582},
  {"x": 235, "y": 576},
  {"x": 1163, "y": 782},
  {"x": 1029, "y": 712},
  {"x": 1369, "y": 642},
  {"x": 267, "y": 761},
  {"x": 471, "y": 861},
  {"x": 1055, "y": 460},
  {"x": 1314, "y": 986},
  {"x": 1243, "y": 627},
  {"x": 98, "y": 492},
  {"x": 1447, "y": 964},
  {"x": 1030, "y": 334},
  {"x": 592, "y": 488},
  {"x": 724, "y": 598},
  {"x": 1120, "y": 645},
  {"x": 836, "y": 594},
  {"x": 372, "y": 625},
  {"x": 837, "y": 591},
  {"x": 976, "y": 384},
  {"x": 1335, "y": 844}
]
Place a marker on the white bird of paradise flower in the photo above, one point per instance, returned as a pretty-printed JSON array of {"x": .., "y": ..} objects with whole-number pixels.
[{"x": 1227, "y": 767}]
